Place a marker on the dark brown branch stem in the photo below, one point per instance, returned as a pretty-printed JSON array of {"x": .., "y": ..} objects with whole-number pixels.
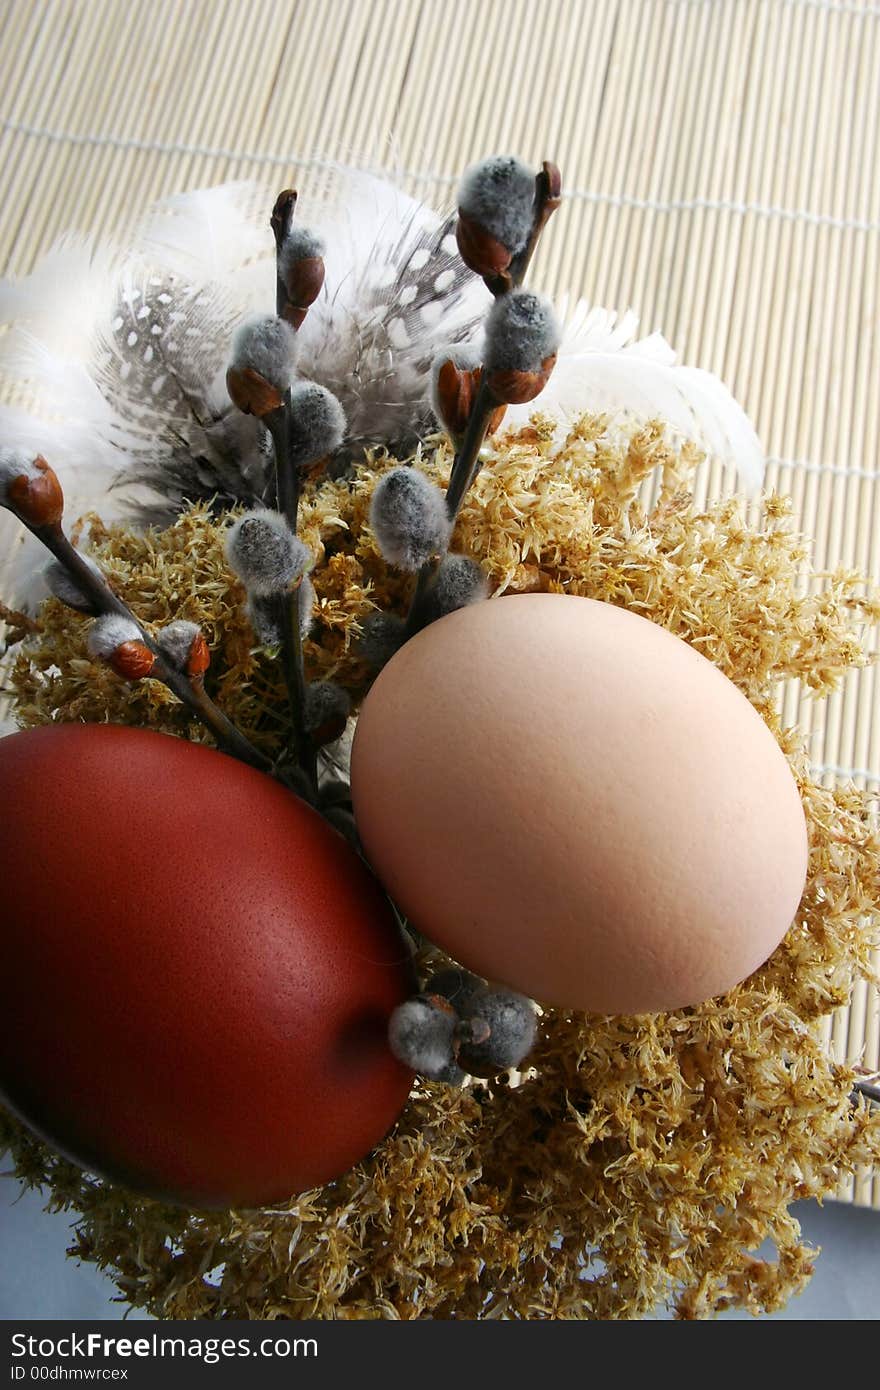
[
  {"x": 280, "y": 222},
  {"x": 466, "y": 464},
  {"x": 287, "y": 475},
  {"x": 287, "y": 488},
  {"x": 191, "y": 693}
]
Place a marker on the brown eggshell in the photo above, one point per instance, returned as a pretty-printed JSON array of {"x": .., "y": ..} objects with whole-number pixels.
[
  {"x": 572, "y": 801},
  {"x": 197, "y": 970}
]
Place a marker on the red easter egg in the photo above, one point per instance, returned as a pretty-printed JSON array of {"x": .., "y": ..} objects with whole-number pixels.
[{"x": 197, "y": 974}]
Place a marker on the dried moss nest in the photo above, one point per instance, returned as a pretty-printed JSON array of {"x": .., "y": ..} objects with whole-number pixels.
[{"x": 643, "y": 1160}]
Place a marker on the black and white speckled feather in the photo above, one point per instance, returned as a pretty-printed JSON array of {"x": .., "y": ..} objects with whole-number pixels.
[
  {"x": 162, "y": 364},
  {"x": 372, "y": 335},
  {"x": 140, "y": 382}
]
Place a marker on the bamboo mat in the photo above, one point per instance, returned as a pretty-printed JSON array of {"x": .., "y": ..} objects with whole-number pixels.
[{"x": 721, "y": 160}]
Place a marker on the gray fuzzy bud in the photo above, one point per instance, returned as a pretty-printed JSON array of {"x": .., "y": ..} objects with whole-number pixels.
[
  {"x": 111, "y": 631},
  {"x": 458, "y": 582},
  {"x": 265, "y": 613},
  {"x": 326, "y": 704},
  {"x": 382, "y": 634},
  {"x": 15, "y": 463},
  {"x": 64, "y": 587},
  {"x": 264, "y": 552},
  {"x": 269, "y": 347},
  {"x": 300, "y": 244},
  {"x": 317, "y": 423},
  {"x": 512, "y": 1026},
  {"x": 499, "y": 194},
  {"x": 409, "y": 518},
  {"x": 175, "y": 642},
  {"x": 420, "y": 1034},
  {"x": 521, "y": 331},
  {"x": 452, "y": 1075}
]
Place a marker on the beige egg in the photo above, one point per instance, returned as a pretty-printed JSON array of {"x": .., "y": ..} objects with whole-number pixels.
[{"x": 570, "y": 800}]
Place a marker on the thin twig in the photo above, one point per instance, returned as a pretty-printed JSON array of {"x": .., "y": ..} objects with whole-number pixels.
[
  {"x": 287, "y": 475},
  {"x": 287, "y": 488},
  {"x": 280, "y": 222},
  {"x": 190, "y": 692},
  {"x": 465, "y": 465}
]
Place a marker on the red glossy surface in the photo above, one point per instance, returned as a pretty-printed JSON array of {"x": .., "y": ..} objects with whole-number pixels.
[{"x": 197, "y": 970}]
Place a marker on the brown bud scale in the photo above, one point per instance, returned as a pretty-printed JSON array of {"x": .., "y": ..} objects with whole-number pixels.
[
  {"x": 456, "y": 393},
  {"x": 38, "y": 501},
  {"x": 456, "y": 390},
  {"x": 480, "y": 251},
  {"x": 199, "y": 658},
  {"x": 518, "y": 387},
  {"x": 496, "y": 418},
  {"x": 302, "y": 287},
  {"x": 252, "y": 393},
  {"x": 132, "y": 660}
]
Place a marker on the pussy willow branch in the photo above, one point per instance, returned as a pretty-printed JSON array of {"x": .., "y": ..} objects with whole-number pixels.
[
  {"x": 190, "y": 692},
  {"x": 287, "y": 490},
  {"x": 466, "y": 464}
]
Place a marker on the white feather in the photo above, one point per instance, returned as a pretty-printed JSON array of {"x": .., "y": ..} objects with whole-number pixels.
[
  {"x": 61, "y": 386},
  {"x": 211, "y": 234},
  {"x": 68, "y": 420},
  {"x": 87, "y": 469},
  {"x": 602, "y": 369},
  {"x": 62, "y": 300},
  {"x": 49, "y": 324}
]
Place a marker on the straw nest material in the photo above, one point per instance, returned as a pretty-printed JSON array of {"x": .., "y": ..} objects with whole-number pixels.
[{"x": 642, "y": 1161}]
